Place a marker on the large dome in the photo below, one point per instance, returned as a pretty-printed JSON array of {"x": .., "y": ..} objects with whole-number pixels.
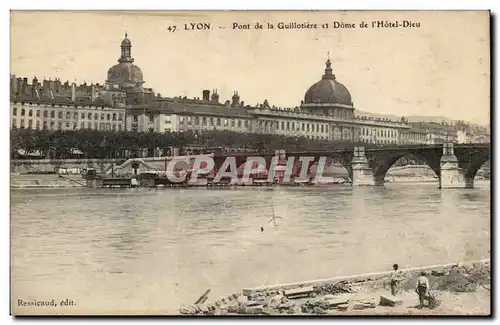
[
  {"x": 328, "y": 90},
  {"x": 125, "y": 73}
]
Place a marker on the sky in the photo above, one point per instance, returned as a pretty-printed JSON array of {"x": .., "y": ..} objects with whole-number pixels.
[{"x": 441, "y": 68}]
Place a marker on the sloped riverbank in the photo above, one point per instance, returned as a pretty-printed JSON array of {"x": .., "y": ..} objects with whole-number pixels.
[{"x": 460, "y": 289}]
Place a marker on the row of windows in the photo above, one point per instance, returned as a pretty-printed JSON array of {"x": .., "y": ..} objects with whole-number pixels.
[
  {"x": 108, "y": 116},
  {"x": 379, "y": 133},
  {"x": 67, "y": 125},
  {"x": 211, "y": 121},
  {"x": 294, "y": 126},
  {"x": 380, "y": 141},
  {"x": 416, "y": 136}
]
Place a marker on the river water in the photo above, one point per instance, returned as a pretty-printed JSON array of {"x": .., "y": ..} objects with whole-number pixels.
[{"x": 153, "y": 250}]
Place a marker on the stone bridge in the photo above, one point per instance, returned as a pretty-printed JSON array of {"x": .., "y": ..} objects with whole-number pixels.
[{"x": 455, "y": 165}]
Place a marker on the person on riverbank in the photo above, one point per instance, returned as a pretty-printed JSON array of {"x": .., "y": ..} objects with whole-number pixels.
[
  {"x": 422, "y": 289},
  {"x": 396, "y": 279}
]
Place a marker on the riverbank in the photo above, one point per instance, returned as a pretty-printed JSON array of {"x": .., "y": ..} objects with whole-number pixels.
[
  {"x": 22, "y": 181},
  {"x": 460, "y": 289}
]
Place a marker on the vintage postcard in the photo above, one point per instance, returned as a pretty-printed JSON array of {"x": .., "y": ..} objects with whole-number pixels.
[{"x": 264, "y": 163}]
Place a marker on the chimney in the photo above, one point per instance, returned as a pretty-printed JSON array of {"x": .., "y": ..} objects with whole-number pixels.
[
  {"x": 236, "y": 99},
  {"x": 45, "y": 87},
  {"x": 206, "y": 94},
  {"x": 52, "y": 88},
  {"x": 13, "y": 85},
  {"x": 19, "y": 86},
  {"x": 25, "y": 86},
  {"x": 73, "y": 92},
  {"x": 228, "y": 103},
  {"x": 215, "y": 96},
  {"x": 93, "y": 94}
]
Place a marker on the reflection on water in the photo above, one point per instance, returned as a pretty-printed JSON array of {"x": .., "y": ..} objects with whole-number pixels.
[{"x": 151, "y": 250}]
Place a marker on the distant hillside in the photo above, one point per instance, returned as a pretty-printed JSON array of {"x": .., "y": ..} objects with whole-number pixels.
[{"x": 413, "y": 118}]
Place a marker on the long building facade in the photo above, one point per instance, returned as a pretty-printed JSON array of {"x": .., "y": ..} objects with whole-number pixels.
[{"x": 327, "y": 111}]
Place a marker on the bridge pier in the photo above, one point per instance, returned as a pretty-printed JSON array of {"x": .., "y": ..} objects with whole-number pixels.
[
  {"x": 362, "y": 174},
  {"x": 451, "y": 175}
]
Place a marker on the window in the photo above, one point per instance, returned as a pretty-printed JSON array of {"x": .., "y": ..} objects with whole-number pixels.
[
  {"x": 108, "y": 126},
  {"x": 151, "y": 118},
  {"x": 82, "y": 125},
  {"x": 114, "y": 127},
  {"x": 120, "y": 116},
  {"x": 204, "y": 121},
  {"x": 38, "y": 125},
  {"x": 246, "y": 123},
  {"x": 75, "y": 115},
  {"x": 322, "y": 128},
  {"x": 52, "y": 125},
  {"x": 102, "y": 116},
  {"x": 225, "y": 122},
  {"x": 196, "y": 120},
  {"x": 218, "y": 121},
  {"x": 30, "y": 113},
  {"x": 239, "y": 123},
  {"x": 14, "y": 124},
  {"x": 307, "y": 127},
  {"x": 67, "y": 125},
  {"x": 181, "y": 120},
  {"x": 135, "y": 119},
  {"x": 293, "y": 126},
  {"x": 14, "y": 111},
  {"x": 30, "y": 124},
  {"x": 282, "y": 125},
  {"x": 101, "y": 126},
  {"x": 96, "y": 126},
  {"x": 37, "y": 113},
  {"x": 89, "y": 116},
  {"x": 59, "y": 125},
  {"x": 45, "y": 125},
  {"x": 108, "y": 116},
  {"x": 119, "y": 127},
  {"x": 45, "y": 114},
  {"x": 52, "y": 114},
  {"x": 303, "y": 126},
  {"x": 23, "y": 111},
  {"x": 189, "y": 120},
  {"x": 211, "y": 121},
  {"x": 74, "y": 125},
  {"x": 60, "y": 114},
  {"x": 22, "y": 124},
  {"x": 83, "y": 116},
  {"x": 114, "y": 116},
  {"x": 89, "y": 125},
  {"x": 288, "y": 126},
  {"x": 232, "y": 122}
]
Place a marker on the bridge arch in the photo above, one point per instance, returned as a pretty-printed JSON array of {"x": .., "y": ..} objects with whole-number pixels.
[
  {"x": 336, "y": 169},
  {"x": 475, "y": 165},
  {"x": 382, "y": 165}
]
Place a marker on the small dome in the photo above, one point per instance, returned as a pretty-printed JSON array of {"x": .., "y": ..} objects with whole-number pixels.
[
  {"x": 126, "y": 41},
  {"x": 328, "y": 90}
]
